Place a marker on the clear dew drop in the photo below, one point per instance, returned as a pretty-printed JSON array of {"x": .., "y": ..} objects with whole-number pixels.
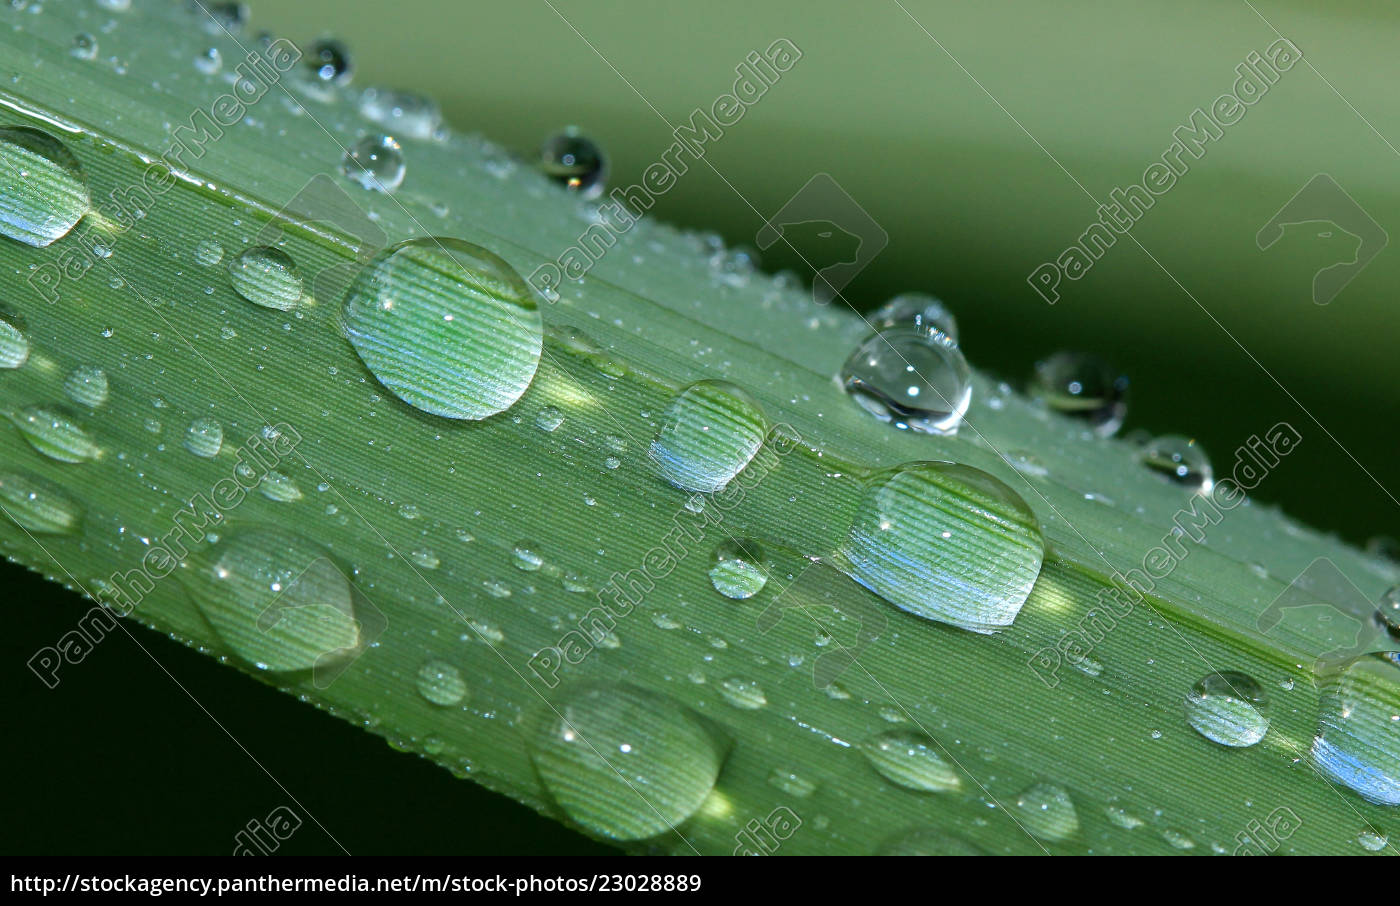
[
  {"x": 441, "y": 684},
  {"x": 918, "y": 311},
  {"x": 204, "y": 437},
  {"x": 38, "y": 505},
  {"x": 911, "y": 760},
  {"x": 1371, "y": 841},
  {"x": 911, "y": 379},
  {"x": 945, "y": 542},
  {"x": 43, "y": 191},
  {"x": 736, "y": 569},
  {"x": 1388, "y": 611},
  {"x": 744, "y": 694},
  {"x": 549, "y": 418},
  {"x": 624, "y": 762},
  {"x": 1358, "y": 737},
  {"x": 84, "y": 46},
  {"x": 526, "y": 557},
  {"x": 375, "y": 162},
  {"x": 409, "y": 115},
  {"x": 447, "y": 327},
  {"x": 1083, "y": 387},
  {"x": 328, "y": 62},
  {"x": 1230, "y": 708},
  {"x": 276, "y": 599},
  {"x": 709, "y": 433},
  {"x": 209, "y": 61},
  {"x": 87, "y": 385},
  {"x": 208, "y": 253},
  {"x": 267, "y": 277},
  {"x": 279, "y": 487},
  {"x": 55, "y": 434},
  {"x": 1047, "y": 812},
  {"x": 575, "y": 162},
  {"x": 14, "y": 346},
  {"x": 1181, "y": 460}
]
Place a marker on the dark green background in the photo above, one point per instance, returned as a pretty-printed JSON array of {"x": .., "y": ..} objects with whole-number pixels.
[{"x": 119, "y": 759}]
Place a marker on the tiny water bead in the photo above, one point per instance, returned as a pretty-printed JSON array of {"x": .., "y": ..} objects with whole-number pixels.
[
  {"x": 1358, "y": 739},
  {"x": 14, "y": 346},
  {"x": 709, "y": 433},
  {"x": 43, "y": 191},
  {"x": 918, "y": 311},
  {"x": 275, "y": 598},
  {"x": 54, "y": 434},
  {"x": 1047, "y": 812},
  {"x": 375, "y": 162},
  {"x": 624, "y": 762},
  {"x": 1084, "y": 387},
  {"x": 267, "y": 277},
  {"x": 446, "y": 326},
  {"x": 204, "y": 437},
  {"x": 575, "y": 162},
  {"x": 441, "y": 683},
  {"x": 1229, "y": 708},
  {"x": 910, "y": 759},
  {"x": 736, "y": 569},
  {"x": 910, "y": 379},
  {"x": 38, "y": 505},
  {"x": 84, "y": 46},
  {"x": 945, "y": 542},
  {"x": 1181, "y": 460},
  {"x": 329, "y": 62},
  {"x": 1388, "y": 613}
]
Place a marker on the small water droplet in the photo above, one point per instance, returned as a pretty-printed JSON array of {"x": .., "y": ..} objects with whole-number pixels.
[
  {"x": 441, "y": 683},
  {"x": 575, "y": 162},
  {"x": 446, "y": 326},
  {"x": 709, "y": 433},
  {"x": 918, "y": 311},
  {"x": 278, "y": 487},
  {"x": 1084, "y": 387},
  {"x": 266, "y": 276},
  {"x": 525, "y": 556},
  {"x": 54, "y": 434},
  {"x": 1388, "y": 613},
  {"x": 791, "y": 783},
  {"x": 409, "y": 115},
  {"x": 1048, "y": 812},
  {"x": 910, "y": 379},
  {"x": 14, "y": 346},
  {"x": 329, "y": 62},
  {"x": 549, "y": 418},
  {"x": 1358, "y": 739},
  {"x": 375, "y": 162},
  {"x": 1371, "y": 841},
  {"x": 1229, "y": 708},
  {"x": 84, "y": 46},
  {"x": 208, "y": 253},
  {"x": 204, "y": 437},
  {"x": 425, "y": 559},
  {"x": 39, "y": 505},
  {"x": 209, "y": 61},
  {"x": 910, "y": 759},
  {"x": 43, "y": 191},
  {"x": 1180, "y": 459},
  {"x": 736, "y": 569},
  {"x": 744, "y": 694},
  {"x": 624, "y": 762}
]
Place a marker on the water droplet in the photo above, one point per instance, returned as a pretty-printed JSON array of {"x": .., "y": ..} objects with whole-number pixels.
[
  {"x": 209, "y": 61},
  {"x": 1358, "y": 740},
  {"x": 208, "y": 253},
  {"x": 736, "y": 569},
  {"x": 1121, "y": 818},
  {"x": 84, "y": 46},
  {"x": 278, "y": 487},
  {"x": 425, "y": 559},
  {"x": 624, "y": 762},
  {"x": 55, "y": 435},
  {"x": 744, "y": 694},
  {"x": 375, "y": 162},
  {"x": 447, "y": 326},
  {"x": 1047, "y": 812},
  {"x": 791, "y": 783},
  {"x": 39, "y": 505},
  {"x": 1385, "y": 547},
  {"x": 441, "y": 683},
  {"x": 918, "y": 311},
  {"x": 87, "y": 386},
  {"x": 526, "y": 557},
  {"x": 1229, "y": 708},
  {"x": 204, "y": 437},
  {"x": 1180, "y": 459},
  {"x": 574, "y": 161},
  {"x": 1084, "y": 387},
  {"x": 1372, "y": 841},
  {"x": 266, "y": 276},
  {"x": 1177, "y": 840},
  {"x": 927, "y": 842},
  {"x": 945, "y": 542},
  {"x": 1389, "y": 611},
  {"x": 329, "y": 62},
  {"x": 910, "y": 759},
  {"x": 910, "y": 379},
  {"x": 708, "y": 434},
  {"x": 14, "y": 346},
  {"x": 275, "y": 598},
  {"x": 549, "y": 418},
  {"x": 43, "y": 191},
  {"x": 409, "y": 115}
]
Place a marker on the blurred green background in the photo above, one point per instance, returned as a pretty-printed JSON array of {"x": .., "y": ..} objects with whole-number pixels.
[{"x": 932, "y": 141}]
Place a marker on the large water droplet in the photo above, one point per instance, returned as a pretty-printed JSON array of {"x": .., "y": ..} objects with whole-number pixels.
[
  {"x": 54, "y": 434},
  {"x": 945, "y": 542},
  {"x": 441, "y": 683},
  {"x": 14, "y": 346},
  {"x": 266, "y": 276},
  {"x": 736, "y": 569},
  {"x": 276, "y": 599},
  {"x": 375, "y": 162},
  {"x": 1084, "y": 387},
  {"x": 447, "y": 326},
  {"x": 910, "y": 379},
  {"x": 708, "y": 434},
  {"x": 574, "y": 161},
  {"x": 918, "y": 311},
  {"x": 43, "y": 191},
  {"x": 39, "y": 505},
  {"x": 1229, "y": 708},
  {"x": 1358, "y": 739},
  {"x": 910, "y": 759},
  {"x": 1181, "y": 460},
  {"x": 625, "y": 762},
  {"x": 1047, "y": 812}
]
